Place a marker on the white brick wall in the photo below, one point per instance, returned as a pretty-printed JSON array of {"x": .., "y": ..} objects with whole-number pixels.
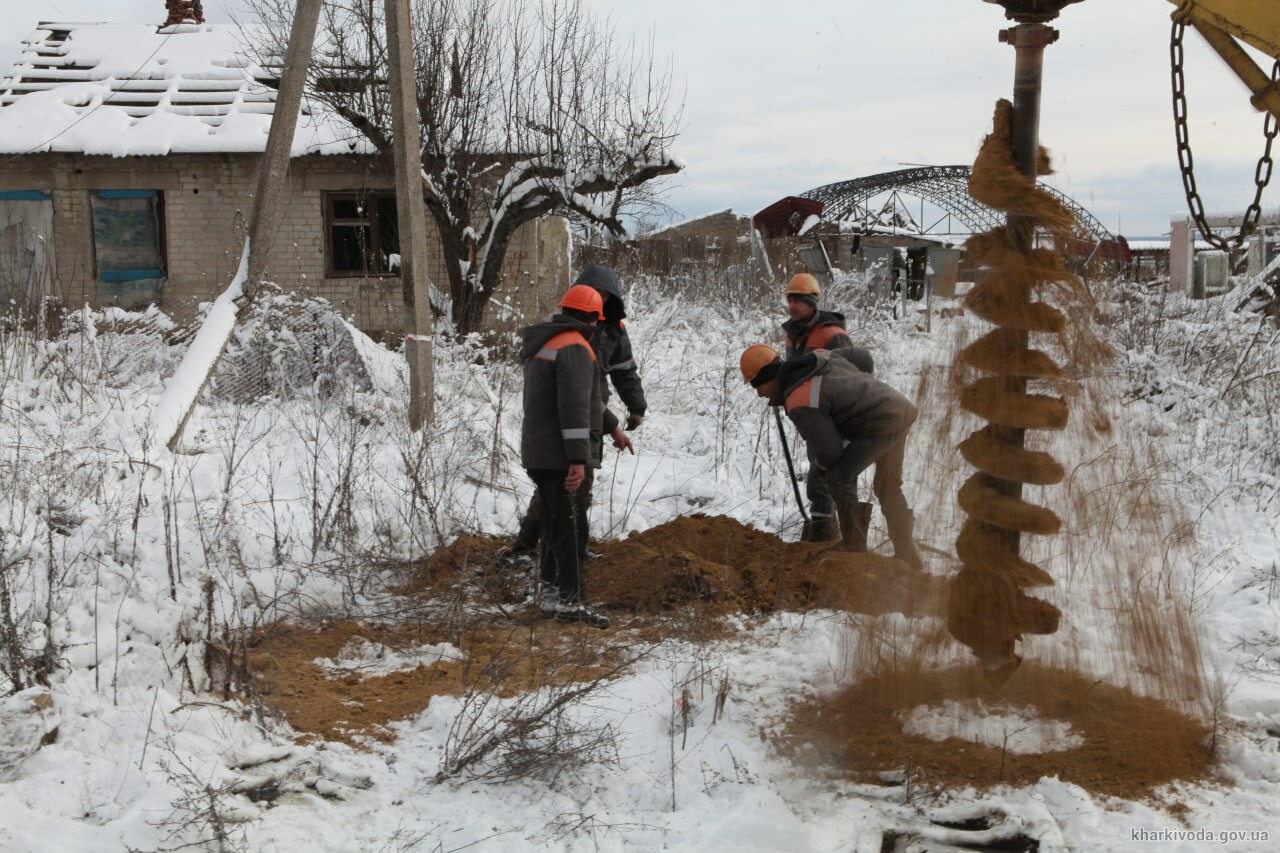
[{"x": 207, "y": 201}]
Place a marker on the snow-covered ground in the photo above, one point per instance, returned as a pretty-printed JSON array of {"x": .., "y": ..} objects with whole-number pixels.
[{"x": 119, "y": 560}]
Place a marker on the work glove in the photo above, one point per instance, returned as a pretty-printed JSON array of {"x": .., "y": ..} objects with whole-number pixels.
[{"x": 633, "y": 421}]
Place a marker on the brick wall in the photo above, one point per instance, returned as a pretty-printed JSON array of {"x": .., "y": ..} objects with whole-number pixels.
[
  {"x": 207, "y": 200},
  {"x": 716, "y": 241}
]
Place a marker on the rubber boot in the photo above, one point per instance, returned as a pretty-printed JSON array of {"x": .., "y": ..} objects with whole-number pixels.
[
  {"x": 855, "y": 518},
  {"x": 526, "y": 541},
  {"x": 902, "y": 535},
  {"x": 819, "y": 528}
]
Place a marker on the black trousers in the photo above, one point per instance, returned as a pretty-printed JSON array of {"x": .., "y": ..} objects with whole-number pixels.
[
  {"x": 531, "y": 527},
  {"x": 816, "y": 489},
  {"x": 562, "y": 527}
]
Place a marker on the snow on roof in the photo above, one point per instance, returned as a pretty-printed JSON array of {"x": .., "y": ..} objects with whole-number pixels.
[
  {"x": 1148, "y": 244},
  {"x": 657, "y": 232},
  {"x": 136, "y": 89}
]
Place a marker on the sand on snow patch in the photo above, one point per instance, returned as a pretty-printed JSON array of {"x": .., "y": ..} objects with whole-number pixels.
[{"x": 1018, "y": 730}]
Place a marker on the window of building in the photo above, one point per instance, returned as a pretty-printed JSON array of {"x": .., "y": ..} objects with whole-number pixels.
[
  {"x": 362, "y": 236},
  {"x": 27, "y": 268},
  {"x": 128, "y": 245}
]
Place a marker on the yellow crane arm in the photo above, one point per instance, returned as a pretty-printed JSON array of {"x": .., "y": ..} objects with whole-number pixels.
[{"x": 1255, "y": 22}]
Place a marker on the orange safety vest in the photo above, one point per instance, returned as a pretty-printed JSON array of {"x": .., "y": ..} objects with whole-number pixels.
[{"x": 819, "y": 337}]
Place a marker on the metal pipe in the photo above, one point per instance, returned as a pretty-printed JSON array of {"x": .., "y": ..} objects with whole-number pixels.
[{"x": 1029, "y": 41}]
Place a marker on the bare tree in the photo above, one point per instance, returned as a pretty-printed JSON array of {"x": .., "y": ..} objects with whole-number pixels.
[{"x": 526, "y": 109}]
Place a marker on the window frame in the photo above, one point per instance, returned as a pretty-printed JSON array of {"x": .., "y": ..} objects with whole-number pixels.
[
  {"x": 370, "y": 200},
  {"x": 122, "y": 275}
]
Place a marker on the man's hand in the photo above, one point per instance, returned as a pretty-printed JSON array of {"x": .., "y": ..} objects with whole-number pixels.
[
  {"x": 622, "y": 441},
  {"x": 633, "y": 421},
  {"x": 577, "y": 473}
]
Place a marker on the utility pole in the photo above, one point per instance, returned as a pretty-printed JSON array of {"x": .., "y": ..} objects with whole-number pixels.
[
  {"x": 412, "y": 214},
  {"x": 273, "y": 172},
  {"x": 193, "y": 373}
]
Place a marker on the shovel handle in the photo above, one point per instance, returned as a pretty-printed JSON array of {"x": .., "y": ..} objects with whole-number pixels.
[{"x": 791, "y": 468}]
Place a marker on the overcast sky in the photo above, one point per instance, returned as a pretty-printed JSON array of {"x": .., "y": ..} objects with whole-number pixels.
[{"x": 780, "y": 98}]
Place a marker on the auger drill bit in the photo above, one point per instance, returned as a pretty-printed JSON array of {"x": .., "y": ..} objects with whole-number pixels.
[{"x": 988, "y": 607}]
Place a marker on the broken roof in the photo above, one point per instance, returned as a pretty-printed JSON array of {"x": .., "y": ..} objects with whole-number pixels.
[
  {"x": 787, "y": 217},
  {"x": 136, "y": 89}
]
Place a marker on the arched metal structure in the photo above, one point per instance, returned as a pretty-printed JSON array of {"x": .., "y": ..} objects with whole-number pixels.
[{"x": 945, "y": 187}]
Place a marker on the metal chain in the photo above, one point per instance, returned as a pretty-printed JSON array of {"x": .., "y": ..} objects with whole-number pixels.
[{"x": 1261, "y": 175}]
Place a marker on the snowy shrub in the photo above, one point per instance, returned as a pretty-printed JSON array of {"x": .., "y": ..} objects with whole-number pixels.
[
  {"x": 539, "y": 733},
  {"x": 734, "y": 286},
  {"x": 19, "y": 665},
  {"x": 107, "y": 349},
  {"x": 1200, "y": 361}
]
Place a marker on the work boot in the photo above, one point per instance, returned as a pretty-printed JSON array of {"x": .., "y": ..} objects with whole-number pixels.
[
  {"x": 902, "y": 535},
  {"x": 548, "y": 601},
  {"x": 526, "y": 541},
  {"x": 582, "y": 614},
  {"x": 855, "y": 518},
  {"x": 514, "y": 559},
  {"x": 553, "y": 605},
  {"x": 819, "y": 528}
]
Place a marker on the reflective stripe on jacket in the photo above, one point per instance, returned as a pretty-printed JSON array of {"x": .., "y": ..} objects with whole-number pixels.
[
  {"x": 613, "y": 349},
  {"x": 831, "y": 401}
]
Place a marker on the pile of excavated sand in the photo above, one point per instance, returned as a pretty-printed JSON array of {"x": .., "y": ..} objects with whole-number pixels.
[{"x": 681, "y": 579}]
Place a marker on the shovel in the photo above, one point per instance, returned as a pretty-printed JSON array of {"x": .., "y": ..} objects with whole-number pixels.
[{"x": 791, "y": 468}]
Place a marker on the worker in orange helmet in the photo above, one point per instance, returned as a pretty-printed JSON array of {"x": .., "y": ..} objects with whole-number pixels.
[
  {"x": 612, "y": 347},
  {"x": 850, "y": 420},
  {"x": 565, "y": 420},
  {"x": 809, "y": 328}
]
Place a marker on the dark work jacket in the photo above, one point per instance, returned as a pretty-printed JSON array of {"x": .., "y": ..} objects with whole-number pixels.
[
  {"x": 611, "y": 343},
  {"x": 613, "y": 349},
  {"x": 824, "y": 330},
  {"x": 831, "y": 401},
  {"x": 564, "y": 415}
]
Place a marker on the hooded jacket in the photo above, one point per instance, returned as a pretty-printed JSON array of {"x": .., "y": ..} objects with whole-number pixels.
[
  {"x": 831, "y": 401},
  {"x": 612, "y": 344},
  {"x": 564, "y": 415}
]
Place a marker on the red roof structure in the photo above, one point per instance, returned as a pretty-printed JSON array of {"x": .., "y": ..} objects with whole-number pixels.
[{"x": 784, "y": 217}]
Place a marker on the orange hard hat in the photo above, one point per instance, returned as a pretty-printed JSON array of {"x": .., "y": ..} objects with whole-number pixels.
[
  {"x": 754, "y": 359},
  {"x": 583, "y": 297},
  {"x": 803, "y": 283}
]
